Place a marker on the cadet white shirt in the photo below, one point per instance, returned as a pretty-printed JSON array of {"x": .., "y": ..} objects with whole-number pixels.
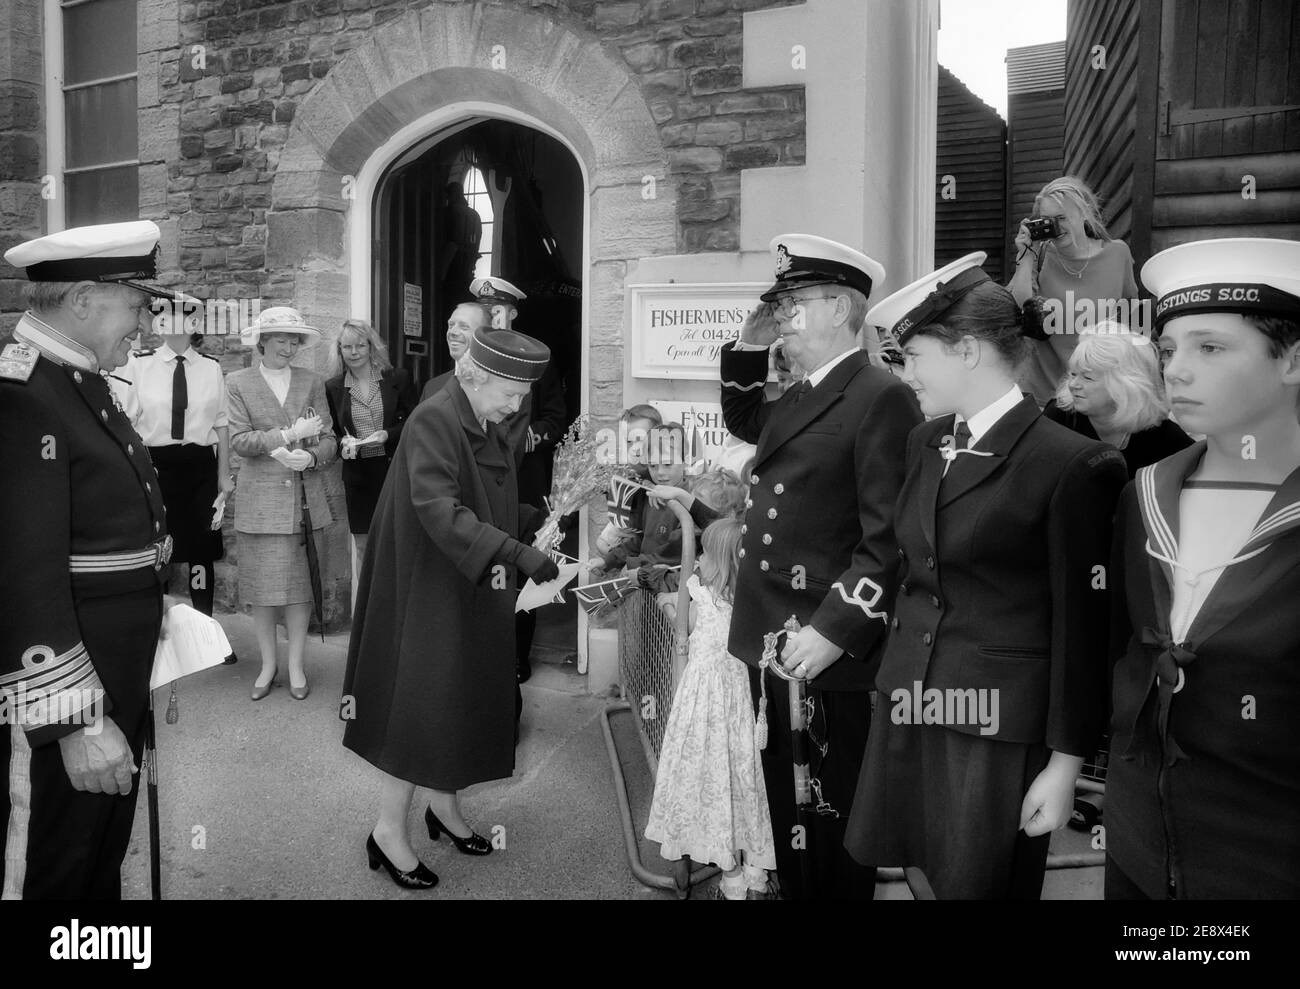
[{"x": 149, "y": 399}]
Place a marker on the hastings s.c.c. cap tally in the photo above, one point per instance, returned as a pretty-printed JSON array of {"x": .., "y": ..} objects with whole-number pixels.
[
  {"x": 1253, "y": 276},
  {"x": 929, "y": 297}
]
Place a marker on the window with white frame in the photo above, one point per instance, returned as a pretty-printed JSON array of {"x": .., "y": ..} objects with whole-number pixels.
[
  {"x": 100, "y": 154},
  {"x": 476, "y": 193}
]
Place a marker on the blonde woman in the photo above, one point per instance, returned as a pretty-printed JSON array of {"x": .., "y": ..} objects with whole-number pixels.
[
  {"x": 369, "y": 401},
  {"x": 1113, "y": 392},
  {"x": 1082, "y": 275}
]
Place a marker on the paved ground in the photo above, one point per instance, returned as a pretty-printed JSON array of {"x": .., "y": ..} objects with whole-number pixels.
[{"x": 261, "y": 800}]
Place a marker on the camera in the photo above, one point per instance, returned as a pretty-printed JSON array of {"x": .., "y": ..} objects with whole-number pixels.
[{"x": 1043, "y": 227}]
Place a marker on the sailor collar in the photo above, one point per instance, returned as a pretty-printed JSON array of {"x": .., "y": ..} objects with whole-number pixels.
[{"x": 1159, "y": 487}]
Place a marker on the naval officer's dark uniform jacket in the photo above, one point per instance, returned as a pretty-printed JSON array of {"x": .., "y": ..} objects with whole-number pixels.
[
  {"x": 1003, "y": 591},
  {"x": 84, "y": 540},
  {"x": 1203, "y": 787},
  {"x": 818, "y": 543}
]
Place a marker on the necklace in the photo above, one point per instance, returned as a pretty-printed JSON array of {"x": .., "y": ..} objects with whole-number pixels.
[{"x": 1060, "y": 259}]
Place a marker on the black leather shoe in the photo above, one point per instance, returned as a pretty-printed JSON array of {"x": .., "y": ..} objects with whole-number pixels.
[
  {"x": 523, "y": 670},
  {"x": 421, "y": 877},
  {"x": 475, "y": 844},
  {"x": 231, "y": 660}
]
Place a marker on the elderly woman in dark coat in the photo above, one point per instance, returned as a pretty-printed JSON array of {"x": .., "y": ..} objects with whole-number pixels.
[{"x": 428, "y": 695}]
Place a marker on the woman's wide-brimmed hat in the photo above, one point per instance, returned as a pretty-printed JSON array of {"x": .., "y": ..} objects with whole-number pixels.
[
  {"x": 508, "y": 354},
  {"x": 280, "y": 319}
]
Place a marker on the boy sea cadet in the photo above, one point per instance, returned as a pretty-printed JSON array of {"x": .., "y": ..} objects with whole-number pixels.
[{"x": 1204, "y": 781}]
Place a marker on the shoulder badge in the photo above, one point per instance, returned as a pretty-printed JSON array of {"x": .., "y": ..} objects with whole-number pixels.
[{"x": 17, "y": 362}]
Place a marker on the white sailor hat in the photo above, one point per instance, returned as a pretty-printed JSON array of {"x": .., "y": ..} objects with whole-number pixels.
[
  {"x": 104, "y": 252},
  {"x": 803, "y": 260},
  {"x": 1250, "y": 275},
  {"x": 494, "y": 290},
  {"x": 279, "y": 319},
  {"x": 927, "y": 298}
]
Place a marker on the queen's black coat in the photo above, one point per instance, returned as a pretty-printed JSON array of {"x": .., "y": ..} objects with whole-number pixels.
[
  {"x": 1209, "y": 808},
  {"x": 431, "y": 661},
  {"x": 1002, "y": 586}
]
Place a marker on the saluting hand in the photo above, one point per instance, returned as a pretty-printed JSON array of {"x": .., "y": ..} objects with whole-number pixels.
[
  {"x": 98, "y": 763},
  {"x": 761, "y": 327}
]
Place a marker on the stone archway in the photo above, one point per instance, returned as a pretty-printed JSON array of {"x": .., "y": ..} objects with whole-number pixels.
[{"x": 475, "y": 55}]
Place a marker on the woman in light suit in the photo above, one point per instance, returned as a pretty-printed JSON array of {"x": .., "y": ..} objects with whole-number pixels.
[
  {"x": 1003, "y": 527},
  {"x": 280, "y": 425}
]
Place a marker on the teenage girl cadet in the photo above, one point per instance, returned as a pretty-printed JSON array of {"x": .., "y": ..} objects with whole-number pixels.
[
  {"x": 1203, "y": 789},
  {"x": 1003, "y": 522}
]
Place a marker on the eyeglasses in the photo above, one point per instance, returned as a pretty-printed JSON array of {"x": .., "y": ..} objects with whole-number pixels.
[{"x": 788, "y": 305}]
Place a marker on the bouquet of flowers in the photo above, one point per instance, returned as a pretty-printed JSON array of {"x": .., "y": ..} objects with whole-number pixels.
[{"x": 580, "y": 475}]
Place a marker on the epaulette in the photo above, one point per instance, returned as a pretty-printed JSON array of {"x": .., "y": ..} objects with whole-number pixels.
[
  {"x": 211, "y": 358},
  {"x": 118, "y": 377},
  {"x": 17, "y": 361},
  {"x": 143, "y": 353}
]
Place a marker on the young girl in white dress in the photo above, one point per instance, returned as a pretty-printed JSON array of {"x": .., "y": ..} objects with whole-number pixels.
[{"x": 710, "y": 804}]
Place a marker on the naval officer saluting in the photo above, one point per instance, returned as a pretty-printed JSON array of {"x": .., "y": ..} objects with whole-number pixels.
[
  {"x": 84, "y": 544},
  {"x": 818, "y": 538}
]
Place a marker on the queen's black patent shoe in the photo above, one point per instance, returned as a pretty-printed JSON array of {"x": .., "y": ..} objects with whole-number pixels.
[
  {"x": 475, "y": 844},
  {"x": 421, "y": 877}
]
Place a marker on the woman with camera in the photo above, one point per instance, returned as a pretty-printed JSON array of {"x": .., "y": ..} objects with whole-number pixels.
[{"x": 1066, "y": 257}]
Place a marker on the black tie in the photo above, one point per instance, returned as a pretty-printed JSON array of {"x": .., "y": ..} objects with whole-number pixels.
[
  {"x": 180, "y": 399},
  {"x": 960, "y": 441},
  {"x": 801, "y": 391},
  {"x": 961, "y": 436}
]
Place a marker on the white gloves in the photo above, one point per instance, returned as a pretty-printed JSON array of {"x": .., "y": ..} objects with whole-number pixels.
[
  {"x": 293, "y": 459},
  {"x": 305, "y": 428}
]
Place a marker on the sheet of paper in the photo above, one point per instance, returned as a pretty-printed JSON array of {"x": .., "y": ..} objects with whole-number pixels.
[
  {"x": 535, "y": 595},
  {"x": 194, "y": 642}
]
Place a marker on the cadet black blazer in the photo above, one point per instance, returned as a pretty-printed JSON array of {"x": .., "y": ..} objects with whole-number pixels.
[{"x": 1003, "y": 576}]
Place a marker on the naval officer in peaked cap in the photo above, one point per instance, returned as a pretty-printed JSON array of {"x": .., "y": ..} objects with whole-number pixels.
[
  {"x": 818, "y": 539},
  {"x": 85, "y": 541}
]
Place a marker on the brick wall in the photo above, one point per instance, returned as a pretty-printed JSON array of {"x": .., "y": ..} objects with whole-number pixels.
[
  {"x": 263, "y": 59},
  {"x": 22, "y": 142}
]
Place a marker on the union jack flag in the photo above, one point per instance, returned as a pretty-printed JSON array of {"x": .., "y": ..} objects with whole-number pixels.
[
  {"x": 594, "y": 597},
  {"x": 626, "y": 496}
]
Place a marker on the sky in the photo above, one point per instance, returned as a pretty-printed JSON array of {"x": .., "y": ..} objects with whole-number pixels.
[{"x": 974, "y": 36}]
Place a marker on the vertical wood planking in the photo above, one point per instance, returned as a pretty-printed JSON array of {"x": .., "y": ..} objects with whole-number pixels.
[{"x": 1209, "y": 56}]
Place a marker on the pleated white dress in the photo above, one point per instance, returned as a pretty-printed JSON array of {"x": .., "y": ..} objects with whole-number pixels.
[{"x": 709, "y": 800}]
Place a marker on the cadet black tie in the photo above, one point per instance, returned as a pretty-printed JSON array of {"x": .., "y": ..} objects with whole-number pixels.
[
  {"x": 180, "y": 399},
  {"x": 960, "y": 441},
  {"x": 801, "y": 391},
  {"x": 962, "y": 436}
]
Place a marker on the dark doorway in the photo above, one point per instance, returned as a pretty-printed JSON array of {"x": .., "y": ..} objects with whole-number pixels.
[
  {"x": 519, "y": 193},
  {"x": 527, "y": 193}
]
